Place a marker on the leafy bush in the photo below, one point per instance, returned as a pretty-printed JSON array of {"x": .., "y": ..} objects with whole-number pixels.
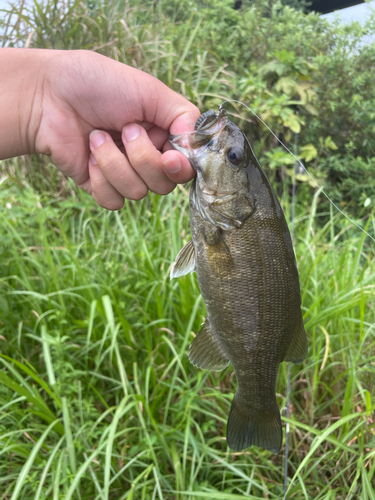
[
  {"x": 97, "y": 397},
  {"x": 300, "y": 73}
]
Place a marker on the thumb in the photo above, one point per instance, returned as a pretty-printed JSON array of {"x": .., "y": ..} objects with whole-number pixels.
[{"x": 164, "y": 107}]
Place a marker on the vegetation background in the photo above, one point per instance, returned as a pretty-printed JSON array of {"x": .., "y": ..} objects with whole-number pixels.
[{"x": 97, "y": 397}]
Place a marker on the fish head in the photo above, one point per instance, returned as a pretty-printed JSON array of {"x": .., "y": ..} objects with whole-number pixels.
[
  {"x": 216, "y": 148},
  {"x": 220, "y": 154}
]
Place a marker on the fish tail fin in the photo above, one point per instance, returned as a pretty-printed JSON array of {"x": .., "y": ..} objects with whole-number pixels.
[{"x": 246, "y": 428}]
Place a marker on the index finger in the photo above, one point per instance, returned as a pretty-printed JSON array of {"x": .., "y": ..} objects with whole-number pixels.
[
  {"x": 184, "y": 122},
  {"x": 176, "y": 166}
]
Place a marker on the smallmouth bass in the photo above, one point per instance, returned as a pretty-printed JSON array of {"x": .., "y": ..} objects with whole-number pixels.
[{"x": 242, "y": 252}]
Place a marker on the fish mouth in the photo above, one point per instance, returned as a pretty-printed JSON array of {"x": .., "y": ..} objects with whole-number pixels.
[
  {"x": 206, "y": 127},
  {"x": 209, "y": 119}
]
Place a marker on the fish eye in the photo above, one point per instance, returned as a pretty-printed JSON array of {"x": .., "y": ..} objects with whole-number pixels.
[{"x": 235, "y": 156}]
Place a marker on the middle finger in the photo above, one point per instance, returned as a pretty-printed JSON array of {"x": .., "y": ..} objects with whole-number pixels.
[
  {"x": 146, "y": 159},
  {"x": 115, "y": 167}
]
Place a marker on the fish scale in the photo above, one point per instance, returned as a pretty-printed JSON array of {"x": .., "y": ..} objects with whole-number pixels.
[{"x": 242, "y": 253}]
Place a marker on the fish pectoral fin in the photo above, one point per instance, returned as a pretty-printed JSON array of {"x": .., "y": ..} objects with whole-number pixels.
[
  {"x": 297, "y": 351},
  {"x": 206, "y": 352},
  {"x": 218, "y": 252},
  {"x": 185, "y": 261}
]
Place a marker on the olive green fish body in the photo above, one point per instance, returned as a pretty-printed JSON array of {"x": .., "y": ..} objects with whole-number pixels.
[{"x": 247, "y": 274}]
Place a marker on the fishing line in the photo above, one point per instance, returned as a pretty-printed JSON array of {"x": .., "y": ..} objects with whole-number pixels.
[
  {"x": 287, "y": 414},
  {"x": 302, "y": 165},
  {"x": 295, "y": 166}
]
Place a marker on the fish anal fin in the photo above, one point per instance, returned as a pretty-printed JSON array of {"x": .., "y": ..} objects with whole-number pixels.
[
  {"x": 206, "y": 352},
  {"x": 260, "y": 428},
  {"x": 185, "y": 261},
  {"x": 297, "y": 351}
]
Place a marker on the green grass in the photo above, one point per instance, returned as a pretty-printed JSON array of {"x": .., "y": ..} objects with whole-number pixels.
[{"x": 97, "y": 397}]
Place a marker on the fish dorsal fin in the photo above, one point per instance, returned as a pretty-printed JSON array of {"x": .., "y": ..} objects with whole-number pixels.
[
  {"x": 206, "y": 352},
  {"x": 297, "y": 351},
  {"x": 185, "y": 261}
]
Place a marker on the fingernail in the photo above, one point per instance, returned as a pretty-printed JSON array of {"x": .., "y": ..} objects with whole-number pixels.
[
  {"x": 173, "y": 166},
  {"x": 131, "y": 132},
  {"x": 97, "y": 138},
  {"x": 92, "y": 159}
]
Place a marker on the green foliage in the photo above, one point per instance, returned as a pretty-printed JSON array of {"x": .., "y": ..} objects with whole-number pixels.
[
  {"x": 97, "y": 397},
  {"x": 298, "y": 72},
  {"x": 297, "y": 4}
]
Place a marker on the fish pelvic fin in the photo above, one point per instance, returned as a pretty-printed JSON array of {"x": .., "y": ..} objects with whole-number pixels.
[
  {"x": 297, "y": 351},
  {"x": 246, "y": 428},
  {"x": 185, "y": 261},
  {"x": 206, "y": 352}
]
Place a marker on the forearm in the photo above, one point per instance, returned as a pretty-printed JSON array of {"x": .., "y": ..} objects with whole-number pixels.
[{"x": 22, "y": 73}]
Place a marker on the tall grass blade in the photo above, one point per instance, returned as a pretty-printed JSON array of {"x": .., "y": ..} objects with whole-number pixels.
[{"x": 29, "y": 462}]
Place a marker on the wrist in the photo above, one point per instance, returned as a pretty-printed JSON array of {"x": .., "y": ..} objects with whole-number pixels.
[{"x": 23, "y": 73}]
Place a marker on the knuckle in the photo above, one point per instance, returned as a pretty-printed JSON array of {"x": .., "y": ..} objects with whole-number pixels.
[
  {"x": 138, "y": 193},
  {"x": 141, "y": 158},
  {"x": 165, "y": 189},
  {"x": 110, "y": 163},
  {"x": 104, "y": 196},
  {"x": 114, "y": 205},
  {"x": 109, "y": 204},
  {"x": 98, "y": 200},
  {"x": 97, "y": 185}
]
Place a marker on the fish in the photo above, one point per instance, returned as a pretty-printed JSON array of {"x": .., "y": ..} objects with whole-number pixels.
[{"x": 242, "y": 253}]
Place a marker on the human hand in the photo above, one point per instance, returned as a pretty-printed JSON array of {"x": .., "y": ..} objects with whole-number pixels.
[{"x": 127, "y": 115}]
